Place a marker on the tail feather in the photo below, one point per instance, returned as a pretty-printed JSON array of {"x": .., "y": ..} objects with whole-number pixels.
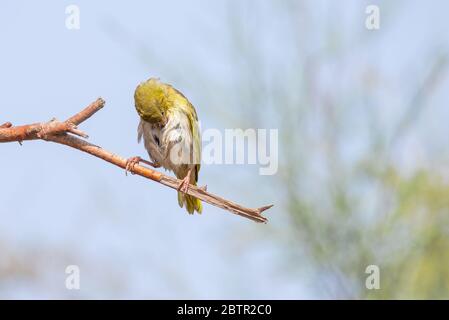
[{"x": 192, "y": 204}]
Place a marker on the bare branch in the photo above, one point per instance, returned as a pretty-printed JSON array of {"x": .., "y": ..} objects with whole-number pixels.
[{"x": 58, "y": 132}]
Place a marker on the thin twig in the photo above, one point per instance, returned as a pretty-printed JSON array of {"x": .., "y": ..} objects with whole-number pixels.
[{"x": 58, "y": 132}]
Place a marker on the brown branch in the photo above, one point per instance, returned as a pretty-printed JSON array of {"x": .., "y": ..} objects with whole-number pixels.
[{"x": 59, "y": 132}]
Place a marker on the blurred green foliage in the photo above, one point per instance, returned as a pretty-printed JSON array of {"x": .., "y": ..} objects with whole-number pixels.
[{"x": 348, "y": 201}]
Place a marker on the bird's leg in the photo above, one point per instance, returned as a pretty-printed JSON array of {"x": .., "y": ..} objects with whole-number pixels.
[
  {"x": 131, "y": 162},
  {"x": 185, "y": 183}
]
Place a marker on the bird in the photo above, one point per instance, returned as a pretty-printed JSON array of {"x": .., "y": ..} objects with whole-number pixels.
[{"x": 170, "y": 130}]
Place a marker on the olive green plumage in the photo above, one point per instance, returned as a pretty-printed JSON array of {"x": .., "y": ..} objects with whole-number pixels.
[{"x": 169, "y": 126}]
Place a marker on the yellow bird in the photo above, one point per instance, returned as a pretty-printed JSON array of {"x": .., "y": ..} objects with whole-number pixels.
[{"x": 170, "y": 130}]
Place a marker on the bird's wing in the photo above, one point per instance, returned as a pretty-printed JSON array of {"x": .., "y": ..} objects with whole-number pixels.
[
  {"x": 196, "y": 135},
  {"x": 190, "y": 111}
]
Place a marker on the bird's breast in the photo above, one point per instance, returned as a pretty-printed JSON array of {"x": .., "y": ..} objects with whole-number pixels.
[{"x": 170, "y": 145}]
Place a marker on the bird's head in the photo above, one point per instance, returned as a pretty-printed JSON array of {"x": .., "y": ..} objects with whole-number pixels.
[{"x": 151, "y": 101}]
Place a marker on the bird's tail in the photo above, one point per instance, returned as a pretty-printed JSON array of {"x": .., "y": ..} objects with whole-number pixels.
[{"x": 192, "y": 204}]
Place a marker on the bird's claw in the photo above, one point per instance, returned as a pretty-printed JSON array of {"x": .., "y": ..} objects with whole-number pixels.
[
  {"x": 130, "y": 163},
  {"x": 154, "y": 164}
]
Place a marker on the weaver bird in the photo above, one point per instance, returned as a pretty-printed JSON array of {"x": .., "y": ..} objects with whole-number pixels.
[{"x": 171, "y": 135}]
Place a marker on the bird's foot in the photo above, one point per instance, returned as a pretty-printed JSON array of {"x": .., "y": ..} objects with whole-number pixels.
[
  {"x": 131, "y": 162},
  {"x": 184, "y": 185}
]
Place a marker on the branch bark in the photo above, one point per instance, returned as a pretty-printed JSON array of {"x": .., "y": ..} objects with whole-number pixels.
[{"x": 65, "y": 133}]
